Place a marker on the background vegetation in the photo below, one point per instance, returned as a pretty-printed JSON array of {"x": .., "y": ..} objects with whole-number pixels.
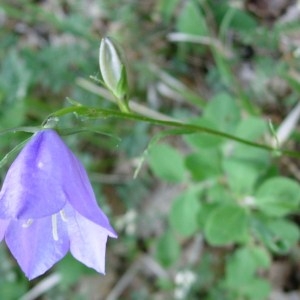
[{"x": 206, "y": 217}]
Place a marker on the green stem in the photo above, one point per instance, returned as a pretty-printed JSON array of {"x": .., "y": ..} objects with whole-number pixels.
[
  {"x": 123, "y": 106},
  {"x": 104, "y": 113}
]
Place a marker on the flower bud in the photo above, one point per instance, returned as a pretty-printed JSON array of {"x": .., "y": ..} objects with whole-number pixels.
[{"x": 113, "y": 70}]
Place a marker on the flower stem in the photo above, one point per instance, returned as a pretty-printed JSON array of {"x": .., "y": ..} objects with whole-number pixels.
[{"x": 191, "y": 128}]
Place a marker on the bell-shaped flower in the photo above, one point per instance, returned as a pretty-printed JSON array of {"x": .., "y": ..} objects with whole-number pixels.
[{"x": 48, "y": 207}]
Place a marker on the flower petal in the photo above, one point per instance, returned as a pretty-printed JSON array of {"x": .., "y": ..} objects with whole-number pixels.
[
  {"x": 3, "y": 227},
  {"x": 32, "y": 186},
  {"x": 34, "y": 245},
  {"x": 87, "y": 241},
  {"x": 81, "y": 196},
  {"x": 43, "y": 177}
]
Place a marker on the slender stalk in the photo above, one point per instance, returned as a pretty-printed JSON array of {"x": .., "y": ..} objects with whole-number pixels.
[
  {"x": 123, "y": 106},
  {"x": 104, "y": 113}
]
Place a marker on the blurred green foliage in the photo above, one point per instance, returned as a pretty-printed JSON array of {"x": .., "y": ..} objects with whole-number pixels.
[{"x": 210, "y": 63}]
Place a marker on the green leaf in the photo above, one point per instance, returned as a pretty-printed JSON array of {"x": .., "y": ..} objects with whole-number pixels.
[
  {"x": 278, "y": 235},
  {"x": 243, "y": 164},
  {"x": 204, "y": 140},
  {"x": 227, "y": 224},
  {"x": 184, "y": 212},
  {"x": 204, "y": 213},
  {"x": 253, "y": 129},
  {"x": 244, "y": 263},
  {"x": 241, "y": 270},
  {"x": 166, "y": 163},
  {"x": 285, "y": 235},
  {"x": 219, "y": 194},
  {"x": 261, "y": 257},
  {"x": 154, "y": 140},
  {"x": 223, "y": 111},
  {"x": 204, "y": 164},
  {"x": 191, "y": 19},
  {"x": 241, "y": 175},
  {"x": 240, "y": 19},
  {"x": 167, "y": 249},
  {"x": 256, "y": 289},
  {"x": 278, "y": 196}
]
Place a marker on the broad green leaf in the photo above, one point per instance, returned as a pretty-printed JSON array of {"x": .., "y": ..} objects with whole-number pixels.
[
  {"x": 244, "y": 165},
  {"x": 286, "y": 235},
  {"x": 204, "y": 213},
  {"x": 242, "y": 265},
  {"x": 167, "y": 249},
  {"x": 261, "y": 257},
  {"x": 184, "y": 212},
  {"x": 241, "y": 270},
  {"x": 240, "y": 19},
  {"x": 191, "y": 19},
  {"x": 154, "y": 140},
  {"x": 203, "y": 140},
  {"x": 204, "y": 164},
  {"x": 256, "y": 289},
  {"x": 166, "y": 163},
  {"x": 253, "y": 129},
  {"x": 220, "y": 194},
  {"x": 243, "y": 21},
  {"x": 278, "y": 235},
  {"x": 227, "y": 224},
  {"x": 223, "y": 111},
  {"x": 241, "y": 175},
  {"x": 278, "y": 196}
]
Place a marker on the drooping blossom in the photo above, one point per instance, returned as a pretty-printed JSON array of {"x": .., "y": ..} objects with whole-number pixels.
[{"x": 48, "y": 207}]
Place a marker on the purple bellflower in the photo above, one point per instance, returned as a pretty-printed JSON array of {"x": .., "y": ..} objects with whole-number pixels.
[{"x": 48, "y": 207}]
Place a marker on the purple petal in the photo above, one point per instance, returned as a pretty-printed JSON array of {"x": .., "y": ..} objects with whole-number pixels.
[
  {"x": 3, "y": 227},
  {"x": 87, "y": 241},
  {"x": 37, "y": 246},
  {"x": 32, "y": 186},
  {"x": 44, "y": 176},
  {"x": 81, "y": 196}
]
